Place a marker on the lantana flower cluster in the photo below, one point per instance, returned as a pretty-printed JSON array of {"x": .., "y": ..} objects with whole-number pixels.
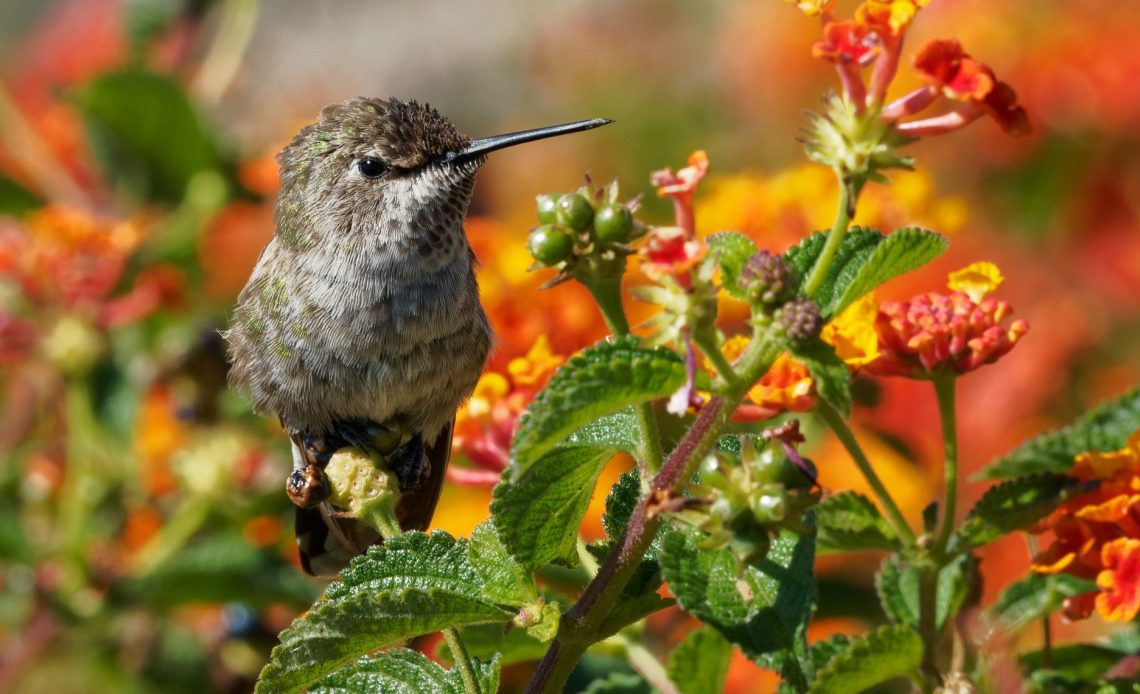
[
  {"x": 486, "y": 423},
  {"x": 1097, "y": 535}
]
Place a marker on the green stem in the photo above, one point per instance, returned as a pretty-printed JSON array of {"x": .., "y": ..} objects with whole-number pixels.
[
  {"x": 927, "y": 623},
  {"x": 607, "y": 294},
  {"x": 646, "y": 664},
  {"x": 847, "y": 438},
  {"x": 223, "y": 59},
  {"x": 843, "y": 214},
  {"x": 944, "y": 388},
  {"x": 462, "y": 660},
  {"x": 716, "y": 358},
  {"x": 183, "y": 525}
]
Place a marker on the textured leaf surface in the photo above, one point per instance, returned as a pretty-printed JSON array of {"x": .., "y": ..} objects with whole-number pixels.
[
  {"x": 699, "y": 664},
  {"x": 849, "y": 522},
  {"x": 620, "y": 503},
  {"x": 1036, "y": 596},
  {"x": 504, "y": 580},
  {"x": 1013, "y": 505},
  {"x": 865, "y": 260},
  {"x": 413, "y": 584},
  {"x": 404, "y": 671},
  {"x": 1078, "y": 666},
  {"x": 1105, "y": 428},
  {"x": 603, "y": 379},
  {"x": 831, "y": 376},
  {"x": 412, "y": 560},
  {"x": 618, "y": 431},
  {"x": 883, "y": 654},
  {"x": 537, "y": 514},
  {"x": 898, "y": 586},
  {"x": 765, "y": 611},
  {"x": 732, "y": 250}
]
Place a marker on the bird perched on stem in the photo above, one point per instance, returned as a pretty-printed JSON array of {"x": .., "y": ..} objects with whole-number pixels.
[{"x": 361, "y": 323}]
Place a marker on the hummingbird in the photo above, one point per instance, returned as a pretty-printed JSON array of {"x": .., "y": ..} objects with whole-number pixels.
[{"x": 361, "y": 324}]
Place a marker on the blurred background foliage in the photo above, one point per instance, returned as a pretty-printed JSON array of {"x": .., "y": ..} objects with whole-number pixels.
[{"x": 145, "y": 543}]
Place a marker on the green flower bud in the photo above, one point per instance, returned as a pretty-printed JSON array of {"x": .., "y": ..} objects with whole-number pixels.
[
  {"x": 614, "y": 224},
  {"x": 359, "y": 485},
  {"x": 550, "y": 245},
  {"x": 547, "y": 206},
  {"x": 772, "y": 506},
  {"x": 575, "y": 211}
]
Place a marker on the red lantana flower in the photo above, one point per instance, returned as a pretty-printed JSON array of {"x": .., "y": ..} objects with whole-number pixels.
[
  {"x": 954, "y": 73},
  {"x": 681, "y": 186},
  {"x": 848, "y": 41},
  {"x": 933, "y": 332}
]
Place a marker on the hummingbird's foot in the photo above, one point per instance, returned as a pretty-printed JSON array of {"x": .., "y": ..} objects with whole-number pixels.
[
  {"x": 410, "y": 464},
  {"x": 307, "y": 486}
]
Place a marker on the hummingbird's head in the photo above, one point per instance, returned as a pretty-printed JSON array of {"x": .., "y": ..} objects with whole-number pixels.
[{"x": 370, "y": 163}]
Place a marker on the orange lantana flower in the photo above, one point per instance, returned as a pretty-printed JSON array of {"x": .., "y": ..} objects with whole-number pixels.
[
  {"x": 1098, "y": 534},
  {"x": 787, "y": 387},
  {"x": 954, "y": 73}
]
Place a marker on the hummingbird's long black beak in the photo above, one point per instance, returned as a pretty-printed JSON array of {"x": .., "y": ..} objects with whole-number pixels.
[{"x": 489, "y": 144}]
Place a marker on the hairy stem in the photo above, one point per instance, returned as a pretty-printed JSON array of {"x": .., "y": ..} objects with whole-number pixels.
[
  {"x": 944, "y": 388},
  {"x": 928, "y": 623},
  {"x": 580, "y": 624},
  {"x": 462, "y": 660},
  {"x": 607, "y": 294},
  {"x": 843, "y": 213},
  {"x": 847, "y": 438}
]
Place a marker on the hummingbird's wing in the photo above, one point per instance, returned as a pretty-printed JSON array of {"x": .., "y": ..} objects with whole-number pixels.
[{"x": 327, "y": 542}]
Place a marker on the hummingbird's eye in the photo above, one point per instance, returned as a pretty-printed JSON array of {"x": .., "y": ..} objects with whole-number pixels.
[{"x": 371, "y": 167}]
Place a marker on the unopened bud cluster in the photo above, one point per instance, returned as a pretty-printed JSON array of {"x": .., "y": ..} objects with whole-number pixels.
[
  {"x": 584, "y": 231},
  {"x": 752, "y": 496},
  {"x": 771, "y": 288}
]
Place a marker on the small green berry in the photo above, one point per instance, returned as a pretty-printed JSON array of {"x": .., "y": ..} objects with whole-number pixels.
[
  {"x": 614, "y": 224},
  {"x": 575, "y": 211},
  {"x": 550, "y": 245},
  {"x": 547, "y": 206}
]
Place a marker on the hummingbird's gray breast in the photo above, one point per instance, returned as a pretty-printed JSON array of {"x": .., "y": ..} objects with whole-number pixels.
[{"x": 384, "y": 322}]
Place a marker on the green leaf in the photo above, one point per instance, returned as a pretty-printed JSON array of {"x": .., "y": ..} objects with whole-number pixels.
[
  {"x": 865, "y": 260},
  {"x": 732, "y": 250},
  {"x": 413, "y": 584},
  {"x": 898, "y": 586},
  {"x": 504, "y": 581},
  {"x": 15, "y": 199},
  {"x": 411, "y": 560},
  {"x": 1012, "y": 505},
  {"x": 619, "y": 431},
  {"x": 884, "y": 654},
  {"x": 404, "y": 671},
  {"x": 603, "y": 379},
  {"x": 620, "y": 503},
  {"x": 849, "y": 522},
  {"x": 537, "y": 513},
  {"x": 1105, "y": 428},
  {"x": 216, "y": 570},
  {"x": 699, "y": 664},
  {"x": 1036, "y": 596},
  {"x": 1077, "y": 663},
  {"x": 831, "y": 376},
  {"x": 764, "y": 611},
  {"x": 145, "y": 133},
  {"x": 486, "y": 640},
  {"x": 619, "y": 683}
]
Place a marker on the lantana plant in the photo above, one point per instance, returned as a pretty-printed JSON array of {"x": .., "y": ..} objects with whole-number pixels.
[{"x": 723, "y": 514}]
